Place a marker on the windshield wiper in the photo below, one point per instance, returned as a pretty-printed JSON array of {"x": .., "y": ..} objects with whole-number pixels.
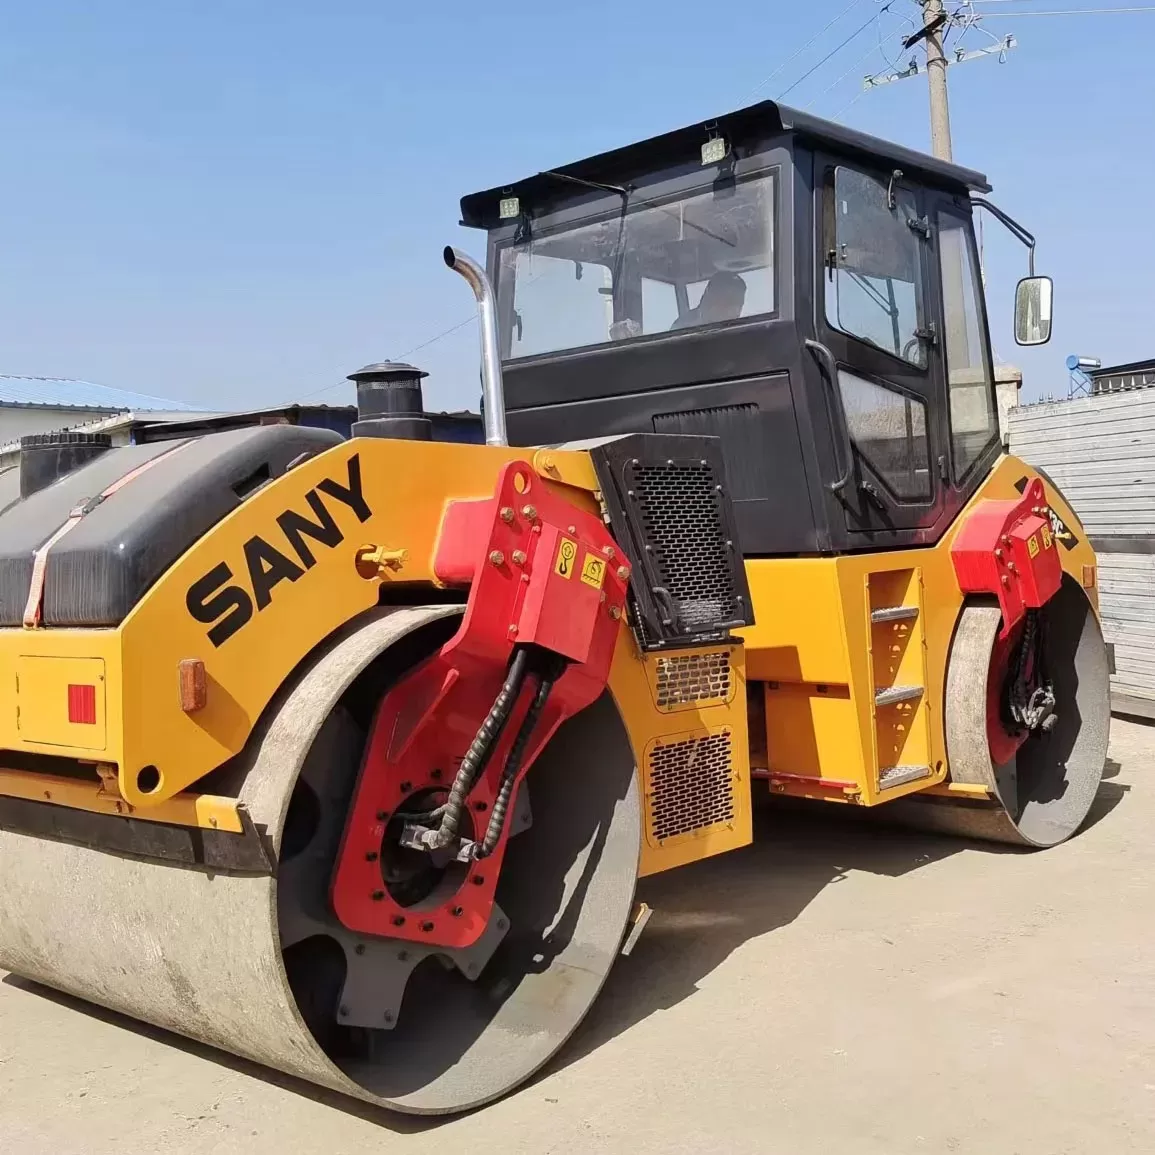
[
  {"x": 624, "y": 193},
  {"x": 619, "y": 190}
]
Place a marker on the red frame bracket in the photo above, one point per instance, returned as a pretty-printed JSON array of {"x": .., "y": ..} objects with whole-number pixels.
[
  {"x": 540, "y": 571},
  {"x": 1007, "y": 548}
]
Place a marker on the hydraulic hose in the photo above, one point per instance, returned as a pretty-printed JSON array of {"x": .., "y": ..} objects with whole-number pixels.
[
  {"x": 510, "y": 770},
  {"x": 479, "y": 752}
]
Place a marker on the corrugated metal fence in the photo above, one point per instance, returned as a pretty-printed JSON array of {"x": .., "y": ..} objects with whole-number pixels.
[{"x": 1100, "y": 451}]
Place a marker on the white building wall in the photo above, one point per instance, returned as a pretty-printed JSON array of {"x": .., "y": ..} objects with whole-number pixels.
[{"x": 18, "y": 420}]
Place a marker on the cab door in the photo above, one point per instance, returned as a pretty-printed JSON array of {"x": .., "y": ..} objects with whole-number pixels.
[{"x": 879, "y": 352}]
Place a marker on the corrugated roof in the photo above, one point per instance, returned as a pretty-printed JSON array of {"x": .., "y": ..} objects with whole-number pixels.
[{"x": 62, "y": 393}]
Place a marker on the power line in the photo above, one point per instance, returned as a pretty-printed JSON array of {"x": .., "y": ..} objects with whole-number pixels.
[
  {"x": 813, "y": 39},
  {"x": 855, "y": 66},
  {"x": 399, "y": 357},
  {"x": 857, "y": 96},
  {"x": 838, "y": 48},
  {"x": 433, "y": 340},
  {"x": 1068, "y": 11}
]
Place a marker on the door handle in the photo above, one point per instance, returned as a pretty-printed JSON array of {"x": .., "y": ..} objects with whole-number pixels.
[{"x": 828, "y": 367}]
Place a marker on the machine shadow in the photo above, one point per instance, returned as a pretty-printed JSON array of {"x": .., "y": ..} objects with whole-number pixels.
[
  {"x": 1110, "y": 794},
  {"x": 704, "y": 912}
]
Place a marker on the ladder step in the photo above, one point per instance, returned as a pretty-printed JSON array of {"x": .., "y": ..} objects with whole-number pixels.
[
  {"x": 894, "y": 614},
  {"x": 894, "y": 694},
  {"x": 897, "y": 775}
]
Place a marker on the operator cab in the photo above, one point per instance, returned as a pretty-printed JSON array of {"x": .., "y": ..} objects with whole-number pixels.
[{"x": 808, "y": 294}]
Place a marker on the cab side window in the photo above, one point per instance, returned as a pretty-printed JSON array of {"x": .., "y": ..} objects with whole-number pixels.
[
  {"x": 973, "y": 419},
  {"x": 874, "y": 279}
]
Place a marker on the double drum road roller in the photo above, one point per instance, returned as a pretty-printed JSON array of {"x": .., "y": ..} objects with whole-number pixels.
[{"x": 346, "y": 754}]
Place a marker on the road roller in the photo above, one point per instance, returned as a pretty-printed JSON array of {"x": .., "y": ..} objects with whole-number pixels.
[{"x": 346, "y": 754}]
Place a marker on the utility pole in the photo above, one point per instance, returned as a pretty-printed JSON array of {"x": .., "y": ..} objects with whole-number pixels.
[{"x": 934, "y": 20}]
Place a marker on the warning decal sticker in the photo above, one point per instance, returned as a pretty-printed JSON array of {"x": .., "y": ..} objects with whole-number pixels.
[
  {"x": 594, "y": 571},
  {"x": 566, "y": 558}
]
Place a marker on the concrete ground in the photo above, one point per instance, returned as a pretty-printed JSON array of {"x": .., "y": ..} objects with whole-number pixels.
[{"x": 835, "y": 989}]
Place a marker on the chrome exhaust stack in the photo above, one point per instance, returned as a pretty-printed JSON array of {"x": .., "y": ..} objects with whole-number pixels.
[{"x": 492, "y": 391}]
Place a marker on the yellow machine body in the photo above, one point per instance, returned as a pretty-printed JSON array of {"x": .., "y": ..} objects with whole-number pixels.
[{"x": 795, "y": 702}]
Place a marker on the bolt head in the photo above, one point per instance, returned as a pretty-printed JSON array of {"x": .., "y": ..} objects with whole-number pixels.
[
  {"x": 496, "y": 557},
  {"x": 529, "y": 511},
  {"x": 623, "y": 573},
  {"x": 359, "y": 948},
  {"x": 615, "y": 612},
  {"x": 507, "y": 513},
  {"x": 1006, "y": 580},
  {"x": 513, "y": 631},
  {"x": 518, "y": 557},
  {"x": 610, "y": 552},
  {"x": 388, "y": 1016},
  {"x": 343, "y": 1012},
  {"x": 402, "y": 956},
  {"x": 377, "y": 895}
]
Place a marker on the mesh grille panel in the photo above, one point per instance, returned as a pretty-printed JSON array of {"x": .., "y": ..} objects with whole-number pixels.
[
  {"x": 690, "y": 785},
  {"x": 702, "y": 677},
  {"x": 679, "y": 509}
]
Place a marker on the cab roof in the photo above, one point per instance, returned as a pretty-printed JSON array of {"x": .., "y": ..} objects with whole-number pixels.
[{"x": 767, "y": 118}]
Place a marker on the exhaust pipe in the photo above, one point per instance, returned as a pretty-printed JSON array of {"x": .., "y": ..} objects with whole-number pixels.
[{"x": 492, "y": 391}]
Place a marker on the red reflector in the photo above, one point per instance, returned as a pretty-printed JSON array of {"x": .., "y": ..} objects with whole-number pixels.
[{"x": 82, "y": 705}]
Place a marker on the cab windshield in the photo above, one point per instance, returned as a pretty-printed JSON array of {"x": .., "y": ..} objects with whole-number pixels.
[{"x": 704, "y": 259}]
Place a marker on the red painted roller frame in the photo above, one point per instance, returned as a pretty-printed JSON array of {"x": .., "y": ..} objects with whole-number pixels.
[
  {"x": 540, "y": 571},
  {"x": 1007, "y": 548}
]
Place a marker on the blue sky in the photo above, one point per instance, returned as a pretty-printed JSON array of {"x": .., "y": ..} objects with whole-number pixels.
[{"x": 237, "y": 203}]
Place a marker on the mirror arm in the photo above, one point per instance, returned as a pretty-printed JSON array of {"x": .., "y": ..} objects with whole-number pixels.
[{"x": 1013, "y": 227}]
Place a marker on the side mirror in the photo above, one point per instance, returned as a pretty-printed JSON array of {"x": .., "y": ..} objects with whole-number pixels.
[{"x": 1033, "y": 297}]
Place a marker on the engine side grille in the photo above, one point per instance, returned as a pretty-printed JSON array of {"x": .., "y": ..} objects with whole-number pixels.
[
  {"x": 742, "y": 434},
  {"x": 669, "y": 507},
  {"x": 693, "y": 679},
  {"x": 689, "y": 784},
  {"x": 680, "y": 512}
]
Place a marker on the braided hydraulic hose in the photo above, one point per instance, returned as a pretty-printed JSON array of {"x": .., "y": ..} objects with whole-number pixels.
[
  {"x": 479, "y": 752},
  {"x": 509, "y": 771}
]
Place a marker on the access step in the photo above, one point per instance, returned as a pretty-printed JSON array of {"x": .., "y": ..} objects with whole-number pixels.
[
  {"x": 894, "y": 614},
  {"x": 893, "y": 694},
  {"x": 896, "y": 775}
]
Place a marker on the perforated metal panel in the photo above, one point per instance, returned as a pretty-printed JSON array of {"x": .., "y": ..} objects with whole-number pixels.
[
  {"x": 689, "y": 784},
  {"x": 670, "y": 510},
  {"x": 693, "y": 679},
  {"x": 679, "y": 509}
]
